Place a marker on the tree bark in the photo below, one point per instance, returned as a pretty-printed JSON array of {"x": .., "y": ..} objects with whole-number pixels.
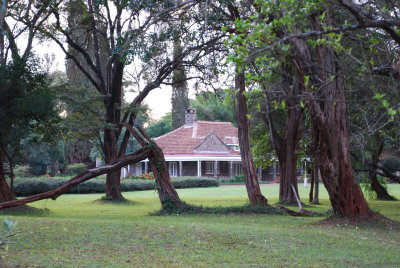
[
  {"x": 330, "y": 132},
  {"x": 287, "y": 143},
  {"x": 331, "y": 138},
  {"x": 249, "y": 171},
  {"x": 311, "y": 195},
  {"x": 169, "y": 198},
  {"x": 6, "y": 193}
]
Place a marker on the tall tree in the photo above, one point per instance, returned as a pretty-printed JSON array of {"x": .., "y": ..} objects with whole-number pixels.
[{"x": 180, "y": 90}]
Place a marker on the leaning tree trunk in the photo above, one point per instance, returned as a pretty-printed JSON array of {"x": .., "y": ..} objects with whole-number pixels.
[
  {"x": 249, "y": 171},
  {"x": 381, "y": 192},
  {"x": 169, "y": 198}
]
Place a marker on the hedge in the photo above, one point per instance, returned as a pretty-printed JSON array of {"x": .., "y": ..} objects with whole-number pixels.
[{"x": 31, "y": 186}]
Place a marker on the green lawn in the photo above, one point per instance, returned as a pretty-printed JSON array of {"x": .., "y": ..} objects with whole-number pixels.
[{"x": 78, "y": 231}]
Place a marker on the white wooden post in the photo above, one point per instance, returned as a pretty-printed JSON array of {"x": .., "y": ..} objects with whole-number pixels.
[
  {"x": 215, "y": 169},
  {"x": 146, "y": 167},
  {"x": 230, "y": 169},
  {"x": 198, "y": 168},
  {"x": 305, "y": 174},
  {"x": 180, "y": 168}
]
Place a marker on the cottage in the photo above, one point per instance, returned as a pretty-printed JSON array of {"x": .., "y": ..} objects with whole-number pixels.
[{"x": 201, "y": 148}]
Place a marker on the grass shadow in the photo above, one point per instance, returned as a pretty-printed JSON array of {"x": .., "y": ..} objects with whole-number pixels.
[{"x": 25, "y": 210}]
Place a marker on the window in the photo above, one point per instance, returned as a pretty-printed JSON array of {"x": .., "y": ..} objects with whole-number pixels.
[
  {"x": 234, "y": 147},
  {"x": 210, "y": 168},
  {"x": 173, "y": 169},
  {"x": 237, "y": 169}
]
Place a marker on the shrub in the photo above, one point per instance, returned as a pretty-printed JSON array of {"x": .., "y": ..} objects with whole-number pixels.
[
  {"x": 392, "y": 163},
  {"x": 145, "y": 176},
  {"x": 22, "y": 171},
  {"x": 31, "y": 186},
  {"x": 237, "y": 178},
  {"x": 77, "y": 168}
]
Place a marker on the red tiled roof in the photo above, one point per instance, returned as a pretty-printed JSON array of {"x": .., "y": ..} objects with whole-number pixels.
[{"x": 183, "y": 140}]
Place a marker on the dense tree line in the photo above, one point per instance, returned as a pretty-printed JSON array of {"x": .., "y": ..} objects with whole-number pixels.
[{"x": 301, "y": 76}]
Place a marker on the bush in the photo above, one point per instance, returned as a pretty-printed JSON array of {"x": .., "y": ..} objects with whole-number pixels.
[
  {"x": 77, "y": 168},
  {"x": 149, "y": 176},
  {"x": 237, "y": 178},
  {"x": 22, "y": 171},
  {"x": 392, "y": 163},
  {"x": 31, "y": 186}
]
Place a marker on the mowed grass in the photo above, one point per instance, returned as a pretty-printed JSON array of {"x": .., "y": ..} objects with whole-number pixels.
[{"x": 78, "y": 231}]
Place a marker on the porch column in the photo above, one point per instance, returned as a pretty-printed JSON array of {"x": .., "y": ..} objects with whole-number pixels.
[
  {"x": 180, "y": 168},
  {"x": 198, "y": 168},
  {"x": 273, "y": 171},
  {"x": 146, "y": 167},
  {"x": 259, "y": 172},
  {"x": 215, "y": 169},
  {"x": 230, "y": 169}
]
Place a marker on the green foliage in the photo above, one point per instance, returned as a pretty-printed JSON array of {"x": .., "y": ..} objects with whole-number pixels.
[
  {"x": 392, "y": 163},
  {"x": 161, "y": 127},
  {"x": 149, "y": 176},
  {"x": 28, "y": 104},
  {"x": 212, "y": 106},
  {"x": 237, "y": 178},
  {"x": 22, "y": 171},
  {"x": 31, "y": 186},
  {"x": 5, "y": 234},
  {"x": 77, "y": 168}
]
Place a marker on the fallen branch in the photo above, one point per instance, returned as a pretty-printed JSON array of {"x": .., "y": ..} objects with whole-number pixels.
[{"x": 139, "y": 155}]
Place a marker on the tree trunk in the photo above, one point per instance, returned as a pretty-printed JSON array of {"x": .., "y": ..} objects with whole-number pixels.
[
  {"x": 248, "y": 169},
  {"x": 311, "y": 195},
  {"x": 113, "y": 179},
  {"x": 315, "y": 201},
  {"x": 54, "y": 169},
  {"x": 5, "y": 191},
  {"x": 330, "y": 131},
  {"x": 288, "y": 158},
  {"x": 331, "y": 138},
  {"x": 169, "y": 198},
  {"x": 286, "y": 144},
  {"x": 381, "y": 192}
]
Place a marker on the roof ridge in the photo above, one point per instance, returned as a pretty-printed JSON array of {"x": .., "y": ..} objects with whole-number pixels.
[{"x": 214, "y": 122}]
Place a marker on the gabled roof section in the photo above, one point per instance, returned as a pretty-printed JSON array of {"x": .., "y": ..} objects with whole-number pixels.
[
  {"x": 211, "y": 143},
  {"x": 183, "y": 140}
]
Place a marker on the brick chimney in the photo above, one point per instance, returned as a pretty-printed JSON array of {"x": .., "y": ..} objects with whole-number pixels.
[{"x": 190, "y": 116}]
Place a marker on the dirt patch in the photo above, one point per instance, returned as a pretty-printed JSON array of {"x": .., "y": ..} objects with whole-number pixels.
[{"x": 375, "y": 220}]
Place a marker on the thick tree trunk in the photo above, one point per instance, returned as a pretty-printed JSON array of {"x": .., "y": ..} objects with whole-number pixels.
[
  {"x": 113, "y": 180},
  {"x": 330, "y": 131},
  {"x": 169, "y": 198},
  {"x": 287, "y": 143},
  {"x": 5, "y": 191},
  {"x": 288, "y": 158},
  {"x": 331, "y": 138},
  {"x": 249, "y": 171}
]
